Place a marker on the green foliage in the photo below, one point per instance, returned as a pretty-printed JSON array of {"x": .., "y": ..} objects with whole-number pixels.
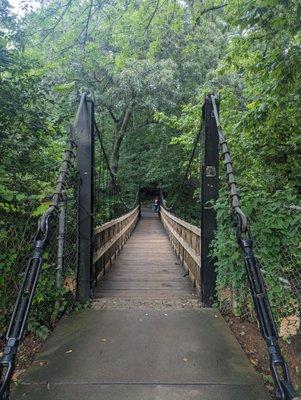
[
  {"x": 275, "y": 231},
  {"x": 260, "y": 86},
  {"x": 17, "y": 227},
  {"x": 30, "y": 147},
  {"x": 259, "y": 81},
  {"x": 265, "y": 57},
  {"x": 149, "y": 65}
]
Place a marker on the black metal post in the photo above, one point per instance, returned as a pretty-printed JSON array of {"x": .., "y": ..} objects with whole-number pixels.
[
  {"x": 85, "y": 169},
  {"x": 209, "y": 193}
]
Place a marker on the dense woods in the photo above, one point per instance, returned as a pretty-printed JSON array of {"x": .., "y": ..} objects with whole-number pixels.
[{"x": 149, "y": 65}]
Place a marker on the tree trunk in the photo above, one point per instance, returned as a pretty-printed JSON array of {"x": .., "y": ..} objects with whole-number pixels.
[
  {"x": 121, "y": 126},
  {"x": 116, "y": 152}
]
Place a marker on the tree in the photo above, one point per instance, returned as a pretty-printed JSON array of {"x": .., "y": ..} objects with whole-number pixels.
[
  {"x": 264, "y": 54},
  {"x": 137, "y": 57}
]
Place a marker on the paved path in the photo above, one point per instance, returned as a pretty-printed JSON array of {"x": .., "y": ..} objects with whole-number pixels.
[{"x": 143, "y": 340}]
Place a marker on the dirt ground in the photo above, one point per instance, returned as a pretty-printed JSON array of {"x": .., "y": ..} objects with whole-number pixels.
[
  {"x": 29, "y": 347},
  {"x": 249, "y": 337}
]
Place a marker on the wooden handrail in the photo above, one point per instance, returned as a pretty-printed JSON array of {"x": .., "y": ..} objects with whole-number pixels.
[
  {"x": 109, "y": 239},
  {"x": 181, "y": 222},
  {"x": 112, "y": 222},
  {"x": 185, "y": 239}
]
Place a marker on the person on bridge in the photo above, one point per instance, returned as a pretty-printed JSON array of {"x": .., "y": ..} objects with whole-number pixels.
[{"x": 157, "y": 204}]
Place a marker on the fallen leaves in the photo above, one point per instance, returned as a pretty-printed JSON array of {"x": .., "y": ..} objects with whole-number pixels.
[
  {"x": 18, "y": 374},
  {"x": 289, "y": 326},
  {"x": 39, "y": 363}
]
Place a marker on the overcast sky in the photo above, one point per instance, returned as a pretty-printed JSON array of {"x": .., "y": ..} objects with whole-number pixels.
[{"x": 18, "y": 5}]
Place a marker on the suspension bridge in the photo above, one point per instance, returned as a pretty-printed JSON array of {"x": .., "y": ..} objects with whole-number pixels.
[{"x": 151, "y": 331}]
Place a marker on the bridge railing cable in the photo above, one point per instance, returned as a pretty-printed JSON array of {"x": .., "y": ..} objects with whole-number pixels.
[
  {"x": 55, "y": 246},
  {"x": 284, "y": 389}
]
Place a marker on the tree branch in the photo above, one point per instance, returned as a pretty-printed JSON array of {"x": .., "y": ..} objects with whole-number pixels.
[
  {"x": 137, "y": 128},
  {"x": 213, "y": 8},
  {"x": 125, "y": 119},
  {"x": 152, "y": 16},
  {"x": 86, "y": 30},
  {"x": 52, "y": 29},
  {"x": 112, "y": 115}
]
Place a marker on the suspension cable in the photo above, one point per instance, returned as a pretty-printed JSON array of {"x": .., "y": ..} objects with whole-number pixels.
[
  {"x": 112, "y": 175},
  {"x": 23, "y": 303},
  {"x": 197, "y": 139},
  {"x": 284, "y": 389},
  {"x": 191, "y": 159},
  {"x": 235, "y": 203}
]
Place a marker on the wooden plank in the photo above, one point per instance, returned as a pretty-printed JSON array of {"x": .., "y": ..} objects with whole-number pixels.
[
  {"x": 111, "y": 242},
  {"x": 108, "y": 224},
  {"x": 147, "y": 266},
  {"x": 185, "y": 240},
  {"x": 179, "y": 221},
  {"x": 188, "y": 249}
]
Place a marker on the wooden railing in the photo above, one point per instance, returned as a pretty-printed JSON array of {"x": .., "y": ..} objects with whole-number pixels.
[
  {"x": 109, "y": 239},
  {"x": 185, "y": 239}
]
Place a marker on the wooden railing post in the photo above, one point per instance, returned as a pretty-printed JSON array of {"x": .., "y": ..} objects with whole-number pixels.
[
  {"x": 209, "y": 193},
  {"x": 85, "y": 167}
]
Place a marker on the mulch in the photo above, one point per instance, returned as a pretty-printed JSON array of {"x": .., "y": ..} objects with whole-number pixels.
[{"x": 250, "y": 339}]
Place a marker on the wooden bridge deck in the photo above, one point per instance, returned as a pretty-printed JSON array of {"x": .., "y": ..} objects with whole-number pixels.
[
  {"x": 145, "y": 338},
  {"x": 147, "y": 267}
]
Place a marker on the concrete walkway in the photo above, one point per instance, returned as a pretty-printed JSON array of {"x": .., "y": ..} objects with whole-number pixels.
[{"x": 142, "y": 340}]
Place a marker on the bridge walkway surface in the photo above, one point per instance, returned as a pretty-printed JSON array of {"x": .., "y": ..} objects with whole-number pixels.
[{"x": 145, "y": 337}]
